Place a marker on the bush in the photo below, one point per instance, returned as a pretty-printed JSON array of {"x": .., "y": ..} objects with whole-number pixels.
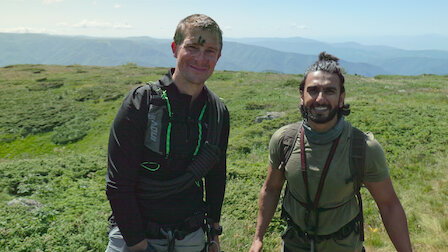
[
  {"x": 291, "y": 83},
  {"x": 71, "y": 131}
]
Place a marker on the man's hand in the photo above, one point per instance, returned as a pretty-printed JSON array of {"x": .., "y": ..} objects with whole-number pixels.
[
  {"x": 257, "y": 246},
  {"x": 392, "y": 213},
  {"x": 267, "y": 203},
  {"x": 214, "y": 245},
  {"x": 141, "y": 246}
]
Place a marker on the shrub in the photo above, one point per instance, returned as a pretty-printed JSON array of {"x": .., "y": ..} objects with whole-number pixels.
[{"x": 71, "y": 131}]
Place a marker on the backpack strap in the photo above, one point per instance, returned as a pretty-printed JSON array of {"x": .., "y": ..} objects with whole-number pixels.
[
  {"x": 357, "y": 169},
  {"x": 289, "y": 141},
  {"x": 206, "y": 158},
  {"x": 155, "y": 94},
  {"x": 158, "y": 105},
  {"x": 357, "y": 162},
  {"x": 357, "y": 157}
]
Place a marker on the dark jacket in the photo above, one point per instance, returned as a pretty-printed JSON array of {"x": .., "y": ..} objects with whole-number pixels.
[{"x": 127, "y": 152}]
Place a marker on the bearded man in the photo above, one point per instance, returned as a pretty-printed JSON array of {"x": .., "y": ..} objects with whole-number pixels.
[{"x": 322, "y": 204}]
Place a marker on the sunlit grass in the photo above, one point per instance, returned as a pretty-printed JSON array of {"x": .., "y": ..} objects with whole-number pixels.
[{"x": 407, "y": 114}]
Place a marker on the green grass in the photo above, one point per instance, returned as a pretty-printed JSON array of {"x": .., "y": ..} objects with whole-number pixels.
[{"x": 54, "y": 128}]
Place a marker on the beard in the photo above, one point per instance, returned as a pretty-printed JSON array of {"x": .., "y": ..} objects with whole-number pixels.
[{"x": 309, "y": 114}]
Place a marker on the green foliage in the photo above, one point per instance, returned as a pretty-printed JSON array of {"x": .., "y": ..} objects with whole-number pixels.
[
  {"x": 44, "y": 84},
  {"x": 292, "y": 83},
  {"x": 35, "y": 70},
  {"x": 71, "y": 131},
  {"x": 95, "y": 93},
  {"x": 71, "y": 191},
  {"x": 53, "y": 141},
  {"x": 35, "y": 112}
]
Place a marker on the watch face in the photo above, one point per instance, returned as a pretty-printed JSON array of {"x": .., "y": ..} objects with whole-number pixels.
[{"x": 219, "y": 230}]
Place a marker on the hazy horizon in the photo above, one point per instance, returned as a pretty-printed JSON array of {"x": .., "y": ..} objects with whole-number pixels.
[{"x": 371, "y": 23}]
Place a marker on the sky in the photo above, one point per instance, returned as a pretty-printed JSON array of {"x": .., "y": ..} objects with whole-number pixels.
[{"x": 334, "y": 21}]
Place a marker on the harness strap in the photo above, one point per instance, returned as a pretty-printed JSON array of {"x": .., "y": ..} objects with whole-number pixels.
[
  {"x": 357, "y": 167},
  {"x": 179, "y": 231},
  {"x": 322, "y": 177},
  {"x": 361, "y": 214},
  {"x": 160, "y": 94},
  {"x": 319, "y": 209},
  {"x": 342, "y": 233},
  {"x": 171, "y": 240},
  {"x": 208, "y": 155}
]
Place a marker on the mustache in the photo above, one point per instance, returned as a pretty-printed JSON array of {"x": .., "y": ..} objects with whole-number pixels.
[{"x": 321, "y": 105}]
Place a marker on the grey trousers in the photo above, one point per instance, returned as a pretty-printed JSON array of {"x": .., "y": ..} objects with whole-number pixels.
[{"x": 194, "y": 242}]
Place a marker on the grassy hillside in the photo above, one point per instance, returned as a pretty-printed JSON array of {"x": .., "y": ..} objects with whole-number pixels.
[{"x": 54, "y": 126}]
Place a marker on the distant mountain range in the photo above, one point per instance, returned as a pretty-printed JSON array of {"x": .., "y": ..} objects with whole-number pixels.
[
  {"x": 391, "y": 60},
  {"x": 284, "y": 55}
]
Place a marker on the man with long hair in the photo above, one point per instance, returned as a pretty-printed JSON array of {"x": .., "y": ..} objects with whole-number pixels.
[{"x": 324, "y": 160}]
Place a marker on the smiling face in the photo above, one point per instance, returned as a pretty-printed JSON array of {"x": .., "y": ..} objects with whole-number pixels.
[
  {"x": 196, "y": 56},
  {"x": 321, "y": 99}
]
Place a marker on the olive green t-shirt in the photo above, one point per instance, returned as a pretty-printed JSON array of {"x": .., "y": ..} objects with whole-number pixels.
[{"x": 336, "y": 189}]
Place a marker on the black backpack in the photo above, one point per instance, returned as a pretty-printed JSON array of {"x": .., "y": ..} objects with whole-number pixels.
[{"x": 357, "y": 160}]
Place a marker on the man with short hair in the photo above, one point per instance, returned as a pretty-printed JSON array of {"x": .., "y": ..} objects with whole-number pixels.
[
  {"x": 316, "y": 157},
  {"x": 167, "y": 138}
]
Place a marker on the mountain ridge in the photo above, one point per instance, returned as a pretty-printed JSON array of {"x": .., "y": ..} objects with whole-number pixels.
[{"x": 283, "y": 55}]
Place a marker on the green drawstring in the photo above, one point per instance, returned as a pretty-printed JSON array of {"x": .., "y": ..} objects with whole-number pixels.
[
  {"x": 200, "y": 136},
  {"x": 149, "y": 166},
  {"x": 200, "y": 130},
  {"x": 168, "y": 130}
]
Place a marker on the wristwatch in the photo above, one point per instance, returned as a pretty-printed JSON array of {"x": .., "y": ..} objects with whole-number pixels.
[{"x": 217, "y": 231}]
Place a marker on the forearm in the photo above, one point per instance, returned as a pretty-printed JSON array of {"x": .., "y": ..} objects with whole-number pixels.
[
  {"x": 215, "y": 181},
  {"x": 126, "y": 215},
  {"x": 394, "y": 219},
  {"x": 267, "y": 205},
  {"x": 120, "y": 188},
  {"x": 120, "y": 191},
  {"x": 215, "y": 185}
]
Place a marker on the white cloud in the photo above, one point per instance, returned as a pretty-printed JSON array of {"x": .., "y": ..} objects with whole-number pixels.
[
  {"x": 52, "y": 1},
  {"x": 122, "y": 26},
  {"x": 226, "y": 28},
  {"x": 116, "y": 6},
  {"x": 24, "y": 30},
  {"x": 299, "y": 26},
  {"x": 92, "y": 24},
  {"x": 101, "y": 24}
]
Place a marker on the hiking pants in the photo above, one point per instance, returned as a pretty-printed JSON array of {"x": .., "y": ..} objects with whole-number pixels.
[
  {"x": 193, "y": 242},
  {"x": 293, "y": 242}
]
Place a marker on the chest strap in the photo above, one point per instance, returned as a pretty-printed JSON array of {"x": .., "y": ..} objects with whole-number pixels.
[
  {"x": 357, "y": 167},
  {"x": 158, "y": 102},
  {"x": 208, "y": 155},
  {"x": 312, "y": 206}
]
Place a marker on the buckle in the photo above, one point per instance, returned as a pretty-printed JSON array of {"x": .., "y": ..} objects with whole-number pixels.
[{"x": 179, "y": 234}]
